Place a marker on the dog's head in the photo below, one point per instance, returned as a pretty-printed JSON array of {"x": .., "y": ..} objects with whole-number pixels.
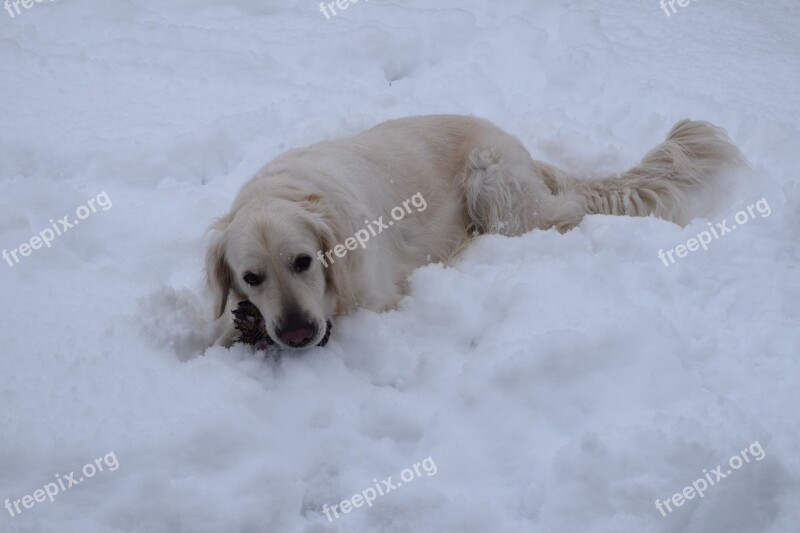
[{"x": 266, "y": 251}]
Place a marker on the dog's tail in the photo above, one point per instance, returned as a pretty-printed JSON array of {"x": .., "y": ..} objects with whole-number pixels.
[{"x": 667, "y": 183}]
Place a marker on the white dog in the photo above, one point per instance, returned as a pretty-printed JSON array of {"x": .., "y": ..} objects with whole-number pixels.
[{"x": 274, "y": 246}]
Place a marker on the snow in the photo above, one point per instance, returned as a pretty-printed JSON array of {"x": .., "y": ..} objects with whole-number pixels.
[{"x": 559, "y": 382}]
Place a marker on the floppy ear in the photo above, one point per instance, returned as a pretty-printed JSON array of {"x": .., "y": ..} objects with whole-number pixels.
[
  {"x": 326, "y": 225},
  {"x": 337, "y": 274},
  {"x": 218, "y": 273}
]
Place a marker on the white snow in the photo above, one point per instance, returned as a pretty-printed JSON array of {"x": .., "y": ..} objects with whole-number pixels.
[{"x": 561, "y": 383}]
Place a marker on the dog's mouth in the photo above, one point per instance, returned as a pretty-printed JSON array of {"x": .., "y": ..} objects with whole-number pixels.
[{"x": 249, "y": 322}]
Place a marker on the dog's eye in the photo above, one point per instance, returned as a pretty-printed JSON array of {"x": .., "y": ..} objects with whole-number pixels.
[
  {"x": 302, "y": 263},
  {"x": 253, "y": 280}
]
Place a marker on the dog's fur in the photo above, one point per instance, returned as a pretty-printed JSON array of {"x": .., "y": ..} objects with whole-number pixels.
[{"x": 474, "y": 177}]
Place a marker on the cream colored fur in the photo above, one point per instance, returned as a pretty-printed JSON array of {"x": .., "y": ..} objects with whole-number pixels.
[{"x": 474, "y": 178}]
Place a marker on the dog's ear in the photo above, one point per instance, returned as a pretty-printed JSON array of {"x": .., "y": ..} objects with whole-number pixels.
[
  {"x": 337, "y": 274},
  {"x": 218, "y": 272},
  {"x": 325, "y": 223}
]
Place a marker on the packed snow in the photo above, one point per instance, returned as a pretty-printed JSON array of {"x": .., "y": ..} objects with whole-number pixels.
[{"x": 545, "y": 383}]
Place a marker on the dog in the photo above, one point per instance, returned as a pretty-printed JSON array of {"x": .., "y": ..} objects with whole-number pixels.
[{"x": 473, "y": 178}]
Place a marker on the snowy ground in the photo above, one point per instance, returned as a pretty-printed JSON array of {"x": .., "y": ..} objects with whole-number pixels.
[{"x": 559, "y": 383}]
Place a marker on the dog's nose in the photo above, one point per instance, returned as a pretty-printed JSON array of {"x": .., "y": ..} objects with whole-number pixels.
[{"x": 296, "y": 332}]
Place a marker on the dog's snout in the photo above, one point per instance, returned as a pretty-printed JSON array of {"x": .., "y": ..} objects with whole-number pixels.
[{"x": 296, "y": 331}]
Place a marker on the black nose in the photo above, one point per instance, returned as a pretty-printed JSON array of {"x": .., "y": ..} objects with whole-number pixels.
[{"x": 296, "y": 331}]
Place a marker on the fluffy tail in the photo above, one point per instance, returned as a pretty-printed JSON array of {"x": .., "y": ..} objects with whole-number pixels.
[{"x": 670, "y": 180}]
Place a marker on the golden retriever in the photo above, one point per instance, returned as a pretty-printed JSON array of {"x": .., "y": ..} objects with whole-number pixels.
[{"x": 294, "y": 243}]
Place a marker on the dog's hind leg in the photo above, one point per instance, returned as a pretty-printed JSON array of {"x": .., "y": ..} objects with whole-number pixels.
[{"x": 507, "y": 192}]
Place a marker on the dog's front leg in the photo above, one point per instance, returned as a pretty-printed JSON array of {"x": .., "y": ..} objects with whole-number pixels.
[{"x": 226, "y": 332}]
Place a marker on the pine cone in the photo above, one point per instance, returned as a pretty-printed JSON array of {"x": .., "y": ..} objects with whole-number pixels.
[{"x": 248, "y": 320}]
